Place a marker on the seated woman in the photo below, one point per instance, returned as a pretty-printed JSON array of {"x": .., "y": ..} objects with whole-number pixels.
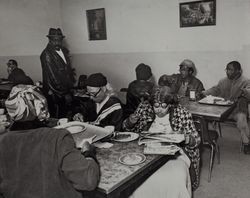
[
  {"x": 104, "y": 109},
  {"x": 173, "y": 178}
]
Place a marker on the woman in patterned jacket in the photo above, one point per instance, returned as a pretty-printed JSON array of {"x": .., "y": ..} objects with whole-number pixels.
[{"x": 177, "y": 176}]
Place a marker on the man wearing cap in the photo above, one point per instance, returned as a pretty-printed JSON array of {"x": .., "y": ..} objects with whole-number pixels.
[
  {"x": 185, "y": 81},
  {"x": 104, "y": 109},
  {"x": 58, "y": 76},
  {"x": 144, "y": 83}
]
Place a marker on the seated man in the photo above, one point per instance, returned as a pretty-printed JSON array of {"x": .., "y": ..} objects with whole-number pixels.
[
  {"x": 17, "y": 75},
  {"x": 42, "y": 162},
  {"x": 175, "y": 178},
  {"x": 144, "y": 82},
  {"x": 184, "y": 82},
  {"x": 235, "y": 87},
  {"x": 104, "y": 109}
]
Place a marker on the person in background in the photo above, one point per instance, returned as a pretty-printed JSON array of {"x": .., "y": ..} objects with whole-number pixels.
[
  {"x": 185, "y": 81},
  {"x": 104, "y": 109},
  {"x": 235, "y": 87},
  {"x": 17, "y": 75},
  {"x": 41, "y": 161},
  {"x": 58, "y": 76},
  {"x": 178, "y": 175},
  {"x": 144, "y": 82}
]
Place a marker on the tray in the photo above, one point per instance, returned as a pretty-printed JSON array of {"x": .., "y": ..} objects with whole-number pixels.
[{"x": 215, "y": 102}]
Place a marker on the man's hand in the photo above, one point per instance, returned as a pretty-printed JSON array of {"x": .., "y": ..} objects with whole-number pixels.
[
  {"x": 78, "y": 117},
  {"x": 133, "y": 118}
]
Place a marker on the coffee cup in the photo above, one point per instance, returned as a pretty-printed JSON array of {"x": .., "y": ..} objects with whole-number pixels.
[
  {"x": 3, "y": 118},
  {"x": 1, "y": 111},
  {"x": 62, "y": 121},
  {"x": 192, "y": 95}
]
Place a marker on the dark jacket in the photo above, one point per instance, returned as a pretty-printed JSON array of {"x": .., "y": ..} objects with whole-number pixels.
[
  {"x": 18, "y": 76},
  {"x": 135, "y": 89},
  {"x": 110, "y": 114},
  {"x": 44, "y": 163},
  {"x": 57, "y": 75}
]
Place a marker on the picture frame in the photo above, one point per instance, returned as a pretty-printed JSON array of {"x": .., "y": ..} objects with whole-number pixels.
[
  {"x": 198, "y": 13},
  {"x": 96, "y": 24}
]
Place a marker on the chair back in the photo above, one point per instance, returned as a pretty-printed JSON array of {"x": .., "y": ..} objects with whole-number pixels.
[{"x": 200, "y": 125}]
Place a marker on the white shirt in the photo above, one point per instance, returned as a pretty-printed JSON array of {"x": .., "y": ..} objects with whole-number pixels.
[{"x": 60, "y": 53}]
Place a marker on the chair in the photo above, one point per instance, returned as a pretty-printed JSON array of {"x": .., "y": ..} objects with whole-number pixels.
[{"x": 208, "y": 138}]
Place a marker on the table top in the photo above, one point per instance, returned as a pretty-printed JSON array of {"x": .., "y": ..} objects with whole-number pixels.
[
  {"x": 115, "y": 175},
  {"x": 209, "y": 111}
]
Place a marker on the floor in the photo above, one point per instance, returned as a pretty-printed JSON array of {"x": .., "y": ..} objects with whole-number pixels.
[{"x": 230, "y": 178}]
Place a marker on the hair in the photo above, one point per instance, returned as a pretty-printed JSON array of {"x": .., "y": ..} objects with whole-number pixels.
[
  {"x": 236, "y": 65},
  {"x": 163, "y": 94},
  {"x": 13, "y": 61}
]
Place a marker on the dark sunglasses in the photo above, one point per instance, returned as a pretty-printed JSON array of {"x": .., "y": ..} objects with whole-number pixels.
[
  {"x": 158, "y": 104},
  {"x": 94, "y": 94}
]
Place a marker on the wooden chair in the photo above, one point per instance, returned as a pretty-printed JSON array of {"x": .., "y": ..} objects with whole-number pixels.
[{"x": 208, "y": 138}]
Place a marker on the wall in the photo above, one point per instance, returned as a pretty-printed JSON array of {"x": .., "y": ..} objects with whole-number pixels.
[
  {"x": 148, "y": 31},
  {"x": 24, "y": 26}
]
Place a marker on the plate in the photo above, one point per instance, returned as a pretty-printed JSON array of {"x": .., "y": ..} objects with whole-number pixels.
[
  {"x": 215, "y": 101},
  {"x": 76, "y": 129},
  {"x": 6, "y": 124},
  {"x": 125, "y": 136},
  {"x": 132, "y": 159}
]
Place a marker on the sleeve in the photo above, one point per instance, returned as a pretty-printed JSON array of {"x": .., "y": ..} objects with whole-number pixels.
[
  {"x": 247, "y": 90},
  {"x": 113, "y": 119},
  {"x": 214, "y": 91},
  {"x": 82, "y": 172},
  {"x": 47, "y": 65},
  {"x": 189, "y": 129}
]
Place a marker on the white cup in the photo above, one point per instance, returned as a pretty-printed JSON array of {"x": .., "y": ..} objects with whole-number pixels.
[
  {"x": 3, "y": 118},
  {"x": 62, "y": 121},
  {"x": 1, "y": 111}
]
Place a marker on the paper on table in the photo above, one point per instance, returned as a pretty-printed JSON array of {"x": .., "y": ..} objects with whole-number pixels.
[{"x": 167, "y": 137}]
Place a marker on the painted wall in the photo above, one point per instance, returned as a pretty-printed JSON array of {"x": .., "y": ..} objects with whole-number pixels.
[
  {"x": 24, "y": 26},
  {"x": 148, "y": 31}
]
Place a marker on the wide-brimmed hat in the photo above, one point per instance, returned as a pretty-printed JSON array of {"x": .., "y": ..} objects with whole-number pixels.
[{"x": 53, "y": 32}]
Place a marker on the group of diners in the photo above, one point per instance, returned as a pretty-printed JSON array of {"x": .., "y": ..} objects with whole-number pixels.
[
  {"x": 29, "y": 150},
  {"x": 38, "y": 161}
]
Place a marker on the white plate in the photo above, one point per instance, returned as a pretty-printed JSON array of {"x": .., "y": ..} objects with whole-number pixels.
[
  {"x": 131, "y": 159},
  {"x": 76, "y": 129},
  {"x": 125, "y": 136}
]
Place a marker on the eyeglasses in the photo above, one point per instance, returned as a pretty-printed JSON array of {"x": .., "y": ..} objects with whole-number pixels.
[
  {"x": 158, "y": 104},
  {"x": 94, "y": 94}
]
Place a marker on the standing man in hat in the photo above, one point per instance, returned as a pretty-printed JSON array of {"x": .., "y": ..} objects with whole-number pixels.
[
  {"x": 104, "y": 109},
  {"x": 144, "y": 83},
  {"x": 58, "y": 76}
]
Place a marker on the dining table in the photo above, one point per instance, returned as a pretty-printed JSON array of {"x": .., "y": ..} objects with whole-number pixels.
[{"x": 118, "y": 179}]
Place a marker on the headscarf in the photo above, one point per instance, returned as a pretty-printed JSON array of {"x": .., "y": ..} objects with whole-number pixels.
[{"x": 26, "y": 103}]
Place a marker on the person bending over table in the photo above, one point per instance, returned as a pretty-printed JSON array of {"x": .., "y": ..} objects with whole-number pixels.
[
  {"x": 235, "y": 87},
  {"x": 104, "y": 109},
  {"x": 144, "y": 81},
  {"x": 173, "y": 179},
  {"x": 42, "y": 162}
]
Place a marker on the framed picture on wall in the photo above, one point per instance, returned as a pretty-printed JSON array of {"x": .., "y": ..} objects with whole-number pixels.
[
  {"x": 198, "y": 13},
  {"x": 96, "y": 24}
]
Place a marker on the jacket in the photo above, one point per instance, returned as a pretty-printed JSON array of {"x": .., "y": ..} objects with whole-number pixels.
[{"x": 58, "y": 76}]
